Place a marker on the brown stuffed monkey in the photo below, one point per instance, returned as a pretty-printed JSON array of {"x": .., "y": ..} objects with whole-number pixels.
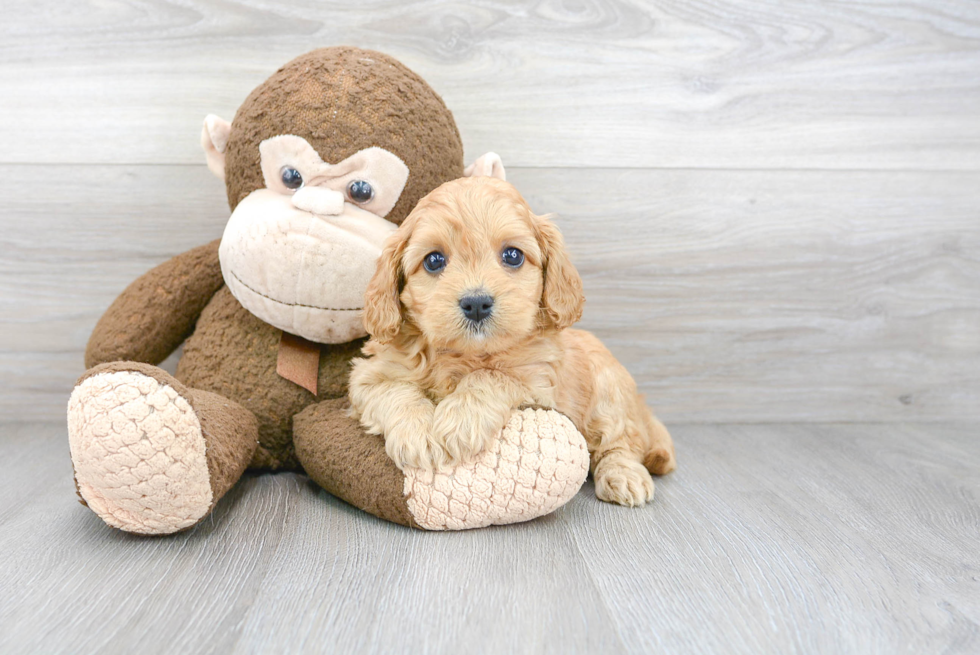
[{"x": 321, "y": 162}]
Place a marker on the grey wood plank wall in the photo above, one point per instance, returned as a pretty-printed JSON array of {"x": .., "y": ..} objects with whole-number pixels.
[{"x": 775, "y": 205}]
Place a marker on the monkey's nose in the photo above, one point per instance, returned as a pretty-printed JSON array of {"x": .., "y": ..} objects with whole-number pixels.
[
  {"x": 319, "y": 200},
  {"x": 476, "y": 307}
]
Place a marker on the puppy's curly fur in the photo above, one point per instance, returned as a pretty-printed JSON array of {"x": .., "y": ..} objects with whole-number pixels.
[{"x": 438, "y": 385}]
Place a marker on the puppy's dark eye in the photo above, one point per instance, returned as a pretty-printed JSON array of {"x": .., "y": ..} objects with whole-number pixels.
[
  {"x": 360, "y": 191},
  {"x": 291, "y": 177},
  {"x": 512, "y": 257},
  {"x": 434, "y": 262}
]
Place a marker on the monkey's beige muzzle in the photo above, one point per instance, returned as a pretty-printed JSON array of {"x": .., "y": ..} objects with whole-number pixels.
[{"x": 300, "y": 268}]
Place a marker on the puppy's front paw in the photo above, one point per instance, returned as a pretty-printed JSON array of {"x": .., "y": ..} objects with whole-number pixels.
[
  {"x": 619, "y": 479},
  {"x": 464, "y": 426},
  {"x": 409, "y": 443}
]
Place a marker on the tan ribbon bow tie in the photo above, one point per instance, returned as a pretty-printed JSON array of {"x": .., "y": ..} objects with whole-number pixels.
[{"x": 299, "y": 361}]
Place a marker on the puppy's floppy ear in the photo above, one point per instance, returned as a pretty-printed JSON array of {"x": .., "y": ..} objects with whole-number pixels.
[
  {"x": 562, "y": 297},
  {"x": 382, "y": 308}
]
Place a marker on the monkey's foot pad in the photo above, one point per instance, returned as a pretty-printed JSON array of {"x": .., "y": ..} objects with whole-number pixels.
[
  {"x": 537, "y": 464},
  {"x": 139, "y": 453}
]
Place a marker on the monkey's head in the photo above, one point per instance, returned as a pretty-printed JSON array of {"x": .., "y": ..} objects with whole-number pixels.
[{"x": 321, "y": 162}]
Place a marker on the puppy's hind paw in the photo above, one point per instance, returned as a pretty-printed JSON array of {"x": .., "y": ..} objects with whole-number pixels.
[
  {"x": 660, "y": 461},
  {"x": 624, "y": 481}
]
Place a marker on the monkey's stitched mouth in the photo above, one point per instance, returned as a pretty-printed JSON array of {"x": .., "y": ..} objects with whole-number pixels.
[{"x": 293, "y": 304}]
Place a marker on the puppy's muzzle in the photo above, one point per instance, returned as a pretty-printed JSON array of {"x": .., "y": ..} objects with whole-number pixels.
[{"x": 476, "y": 307}]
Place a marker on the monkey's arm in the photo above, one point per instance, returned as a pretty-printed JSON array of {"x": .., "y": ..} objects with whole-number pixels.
[{"x": 158, "y": 310}]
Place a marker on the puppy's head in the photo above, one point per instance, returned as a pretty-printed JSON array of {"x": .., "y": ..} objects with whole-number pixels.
[{"x": 473, "y": 269}]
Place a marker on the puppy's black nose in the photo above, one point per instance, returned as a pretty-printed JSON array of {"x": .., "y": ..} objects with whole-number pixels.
[{"x": 476, "y": 307}]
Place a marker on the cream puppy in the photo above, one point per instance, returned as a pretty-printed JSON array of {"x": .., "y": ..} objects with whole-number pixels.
[{"x": 469, "y": 313}]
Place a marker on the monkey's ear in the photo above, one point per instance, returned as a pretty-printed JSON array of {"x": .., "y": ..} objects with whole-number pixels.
[
  {"x": 561, "y": 299},
  {"x": 214, "y": 140},
  {"x": 382, "y": 307},
  {"x": 489, "y": 165}
]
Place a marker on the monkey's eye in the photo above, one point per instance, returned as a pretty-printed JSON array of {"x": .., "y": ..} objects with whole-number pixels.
[
  {"x": 434, "y": 262},
  {"x": 291, "y": 177},
  {"x": 360, "y": 191},
  {"x": 512, "y": 257}
]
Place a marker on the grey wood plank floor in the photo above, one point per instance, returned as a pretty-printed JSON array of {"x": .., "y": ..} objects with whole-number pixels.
[{"x": 831, "y": 538}]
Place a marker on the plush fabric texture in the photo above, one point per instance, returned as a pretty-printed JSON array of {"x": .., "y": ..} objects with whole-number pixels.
[
  {"x": 150, "y": 455},
  {"x": 153, "y": 452},
  {"x": 342, "y": 100},
  {"x": 158, "y": 310},
  {"x": 349, "y": 463},
  {"x": 487, "y": 165},
  {"x": 537, "y": 464},
  {"x": 234, "y": 354},
  {"x": 385, "y": 172},
  {"x": 302, "y": 273},
  {"x": 214, "y": 140},
  {"x": 231, "y": 433},
  {"x": 138, "y": 451}
]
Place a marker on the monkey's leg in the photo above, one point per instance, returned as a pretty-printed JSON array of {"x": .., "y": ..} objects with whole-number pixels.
[
  {"x": 151, "y": 455},
  {"x": 535, "y": 465}
]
